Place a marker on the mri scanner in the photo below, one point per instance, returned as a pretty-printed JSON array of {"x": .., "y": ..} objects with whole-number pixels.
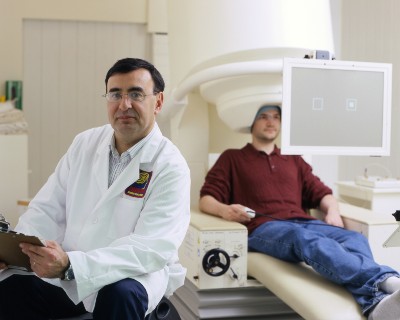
[{"x": 236, "y": 65}]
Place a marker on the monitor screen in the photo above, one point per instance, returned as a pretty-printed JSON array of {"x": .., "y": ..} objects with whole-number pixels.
[{"x": 336, "y": 107}]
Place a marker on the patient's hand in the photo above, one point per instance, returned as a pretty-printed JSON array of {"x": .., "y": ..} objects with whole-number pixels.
[
  {"x": 235, "y": 212},
  {"x": 333, "y": 218},
  {"x": 3, "y": 265},
  {"x": 330, "y": 206}
]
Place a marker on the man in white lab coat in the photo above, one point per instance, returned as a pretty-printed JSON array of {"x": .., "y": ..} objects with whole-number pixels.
[{"x": 113, "y": 214}]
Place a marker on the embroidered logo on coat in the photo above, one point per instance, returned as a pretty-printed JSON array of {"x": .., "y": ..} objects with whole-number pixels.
[{"x": 139, "y": 187}]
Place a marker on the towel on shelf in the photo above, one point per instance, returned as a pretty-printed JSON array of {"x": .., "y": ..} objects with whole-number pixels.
[{"x": 12, "y": 120}]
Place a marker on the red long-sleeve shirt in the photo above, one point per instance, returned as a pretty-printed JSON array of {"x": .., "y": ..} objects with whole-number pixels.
[{"x": 278, "y": 185}]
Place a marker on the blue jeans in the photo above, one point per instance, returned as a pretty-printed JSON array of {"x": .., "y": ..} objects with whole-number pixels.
[{"x": 340, "y": 255}]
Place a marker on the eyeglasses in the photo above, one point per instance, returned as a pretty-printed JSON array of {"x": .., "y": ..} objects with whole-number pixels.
[{"x": 137, "y": 96}]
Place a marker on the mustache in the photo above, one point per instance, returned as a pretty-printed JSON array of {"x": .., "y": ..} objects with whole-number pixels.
[{"x": 127, "y": 113}]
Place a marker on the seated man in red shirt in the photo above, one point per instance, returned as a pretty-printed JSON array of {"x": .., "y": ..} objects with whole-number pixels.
[{"x": 279, "y": 189}]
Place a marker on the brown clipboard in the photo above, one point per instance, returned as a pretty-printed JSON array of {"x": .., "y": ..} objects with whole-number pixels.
[{"x": 11, "y": 253}]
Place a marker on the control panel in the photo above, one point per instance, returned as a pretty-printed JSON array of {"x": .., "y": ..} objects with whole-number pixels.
[{"x": 215, "y": 253}]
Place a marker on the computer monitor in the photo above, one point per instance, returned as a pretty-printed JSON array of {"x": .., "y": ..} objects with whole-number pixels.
[{"x": 336, "y": 107}]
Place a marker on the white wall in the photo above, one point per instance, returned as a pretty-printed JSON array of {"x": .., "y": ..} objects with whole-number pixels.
[
  {"x": 65, "y": 63},
  {"x": 370, "y": 32},
  {"x": 12, "y": 14}
]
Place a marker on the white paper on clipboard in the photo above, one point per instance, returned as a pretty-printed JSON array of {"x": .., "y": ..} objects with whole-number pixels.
[{"x": 394, "y": 239}]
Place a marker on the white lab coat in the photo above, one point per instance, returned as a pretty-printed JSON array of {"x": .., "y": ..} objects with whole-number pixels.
[{"x": 108, "y": 234}]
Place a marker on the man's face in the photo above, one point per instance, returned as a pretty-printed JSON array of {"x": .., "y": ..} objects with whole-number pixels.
[
  {"x": 133, "y": 120},
  {"x": 267, "y": 125}
]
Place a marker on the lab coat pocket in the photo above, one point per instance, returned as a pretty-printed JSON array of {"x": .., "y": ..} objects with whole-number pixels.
[{"x": 125, "y": 216}]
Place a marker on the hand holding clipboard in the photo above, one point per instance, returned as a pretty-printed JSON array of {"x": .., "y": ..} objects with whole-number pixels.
[{"x": 10, "y": 252}]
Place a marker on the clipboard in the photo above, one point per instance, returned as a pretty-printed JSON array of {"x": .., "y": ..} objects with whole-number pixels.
[{"x": 11, "y": 253}]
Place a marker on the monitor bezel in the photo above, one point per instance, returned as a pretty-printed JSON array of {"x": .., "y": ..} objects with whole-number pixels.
[{"x": 288, "y": 148}]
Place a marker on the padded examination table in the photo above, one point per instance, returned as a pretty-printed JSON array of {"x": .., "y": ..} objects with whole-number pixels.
[{"x": 302, "y": 289}]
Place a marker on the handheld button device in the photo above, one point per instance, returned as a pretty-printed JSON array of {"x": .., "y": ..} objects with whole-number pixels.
[{"x": 250, "y": 212}]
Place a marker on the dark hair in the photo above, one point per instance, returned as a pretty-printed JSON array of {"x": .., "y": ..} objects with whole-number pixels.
[{"x": 130, "y": 64}]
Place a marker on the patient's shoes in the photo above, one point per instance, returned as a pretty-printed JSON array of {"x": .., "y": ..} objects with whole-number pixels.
[{"x": 387, "y": 309}]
